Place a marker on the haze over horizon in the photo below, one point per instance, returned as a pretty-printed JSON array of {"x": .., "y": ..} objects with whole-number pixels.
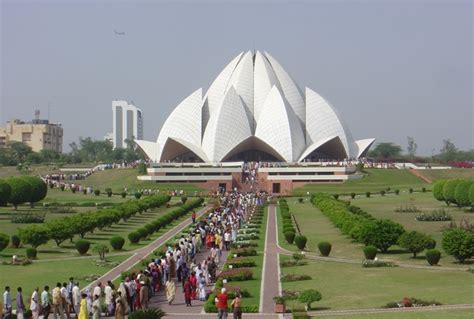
[{"x": 391, "y": 68}]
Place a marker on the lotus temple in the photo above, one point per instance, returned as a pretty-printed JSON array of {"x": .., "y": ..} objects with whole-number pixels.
[{"x": 253, "y": 111}]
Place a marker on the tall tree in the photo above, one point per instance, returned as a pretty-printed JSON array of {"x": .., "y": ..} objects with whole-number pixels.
[
  {"x": 412, "y": 146},
  {"x": 386, "y": 151},
  {"x": 448, "y": 152}
]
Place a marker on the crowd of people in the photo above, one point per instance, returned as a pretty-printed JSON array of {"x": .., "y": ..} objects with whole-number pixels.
[
  {"x": 250, "y": 172},
  {"x": 177, "y": 268}
]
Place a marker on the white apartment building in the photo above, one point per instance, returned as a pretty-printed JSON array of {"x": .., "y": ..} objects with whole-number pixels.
[{"x": 127, "y": 123}]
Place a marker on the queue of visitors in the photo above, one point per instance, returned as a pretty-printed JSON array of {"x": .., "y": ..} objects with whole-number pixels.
[{"x": 176, "y": 268}]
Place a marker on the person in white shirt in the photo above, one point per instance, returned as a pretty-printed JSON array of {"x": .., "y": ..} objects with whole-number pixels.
[
  {"x": 76, "y": 298},
  {"x": 97, "y": 290},
  {"x": 66, "y": 300},
  {"x": 34, "y": 304},
  {"x": 7, "y": 304},
  {"x": 109, "y": 298}
]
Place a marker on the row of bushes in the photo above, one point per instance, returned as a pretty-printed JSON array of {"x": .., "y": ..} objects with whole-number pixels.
[
  {"x": 358, "y": 224},
  {"x": 163, "y": 221},
  {"x": 455, "y": 191},
  {"x": 289, "y": 230},
  {"x": 65, "y": 228},
  {"x": 22, "y": 189}
]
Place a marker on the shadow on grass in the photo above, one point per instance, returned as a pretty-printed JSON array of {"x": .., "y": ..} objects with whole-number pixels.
[
  {"x": 396, "y": 252},
  {"x": 56, "y": 252}
]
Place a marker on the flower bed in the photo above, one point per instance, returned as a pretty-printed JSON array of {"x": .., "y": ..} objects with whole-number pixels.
[
  {"x": 294, "y": 277},
  {"x": 240, "y": 262},
  {"x": 251, "y": 236},
  {"x": 244, "y": 244},
  {"x": 367, "y": 263},
  {"x": 239, "y": 274},
  {"x": 243, "y": 252}
]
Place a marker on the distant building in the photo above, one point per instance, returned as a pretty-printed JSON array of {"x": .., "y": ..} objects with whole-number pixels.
[
  {"x": 38, "y": 134},
  {"x": 127, "y": 123}
]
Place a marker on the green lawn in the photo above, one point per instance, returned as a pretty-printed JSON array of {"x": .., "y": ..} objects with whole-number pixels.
[
  {"x": 52, "y": 251},
  {"x": 49, "y": 273},
  {"x": 435, "y": 174},
  {"x": 318, "y": 228},
  {"x": 347, "y": 286},
  {"x": 117, "y": 179},
  {"x": 374, "y": 180},
  {"x": 253, "y": 286},
  {"x": 432, "y": 314}
]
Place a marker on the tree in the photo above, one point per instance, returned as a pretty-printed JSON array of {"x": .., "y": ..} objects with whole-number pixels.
[
  {"x": 34, "y": 235},
  {"x": 471, "y": 194},
  {"x": 458, "y": 243},
  {"x": 448, "y": 152},
  {"x": 60, "y": 229},
  {"x": 20, "y": 191},
  {"x": 448, "y": 190},
  {"x": 38, "y": 191},
  {"x": 412, "y": 146},
  {"x": 309, "y": 296},
  {"x": 101, "y": 249},
  {"x": 414, "y": 242},
  {"x": 19, "y": 151},
  {"x": 438, "y": 189},
  {"x": 381, "y": 233},
  {"x": 4, "y": 241},
  {"x": 461, "y": 193},
  {"x": 385, "y": 151},
  {"x": 5, "y": 192}
]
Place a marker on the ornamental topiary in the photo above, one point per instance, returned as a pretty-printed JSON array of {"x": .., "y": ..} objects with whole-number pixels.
[
  {"x": 123, "y": 194},
  {"x": 5, "y": 191},
  {"x": 461, "y": 193},
  {"x": 367, "y": 194},
  {"x": 134, "y": 237},
  {"x": 117, "y": 242},
  {"x": 4, "y": 241},
  {"x": 143, "y": 233},
  {"x": 353, "y": 195},
  {"x": 397, "y": 191},
  {"x": 448, "y": 190},
  {"x": 290, "y": 236},
  {"x": 471, "y": 195},
  {"x": 31, "y": 253},
  {"x": 97, "y": 192},
  {"x": 433, "y": 256},
  {"x": 370, "y": 252},
  {"x": 82, "y": 246},
  {"x": 15, "y": 240},
  {"x": 309, "y": 296},
  {"x": 300, "y": 241},
  {"x": 438, "y": 189},
  {"x": 324, "y": 248},
  {"x": 137, "y": 195}
]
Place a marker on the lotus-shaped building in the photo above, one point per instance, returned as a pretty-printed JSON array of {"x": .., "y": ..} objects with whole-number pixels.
[{"x": 254, "y": 111}]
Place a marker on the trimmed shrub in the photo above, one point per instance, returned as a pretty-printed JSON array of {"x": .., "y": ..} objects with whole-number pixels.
[
  {"x": 382, "y": 192},
  {"x": 410, "y": 190},
  {"x": 300, "y": 200},
  {"x": 431, "y": 244},
  {"x": 294, "y": 277},
  {"x": 97, "y": 192},
  {"x": 438, "y": 187},
  {"x": 31, "y": 253},
  {"x": 353, "y": 195},
  {"x": 423, "y": 189},
  {"x": 300, "y": 241},
  {"x": 5, "y": 191},
  {"x": 117, "y": 242},
  {"x": 471, "y": 195},
  {"x": 370, "y": 252},
  {"x": 336, "y": 196},
  {"x": 309, "y": 296},
  {"x": 397, "y": 191},
  {"x": 367, "y": 194},
  {"x": 20, "y": 190},
  {"x": 433, "y": 256},
  {"x": 82, "y": 246},
  {"x": 458, "y": 243},
  {"x": 123, "y": 194},
  {"x": 15, "y": 240},
  {"x": 381, "y": 233},
  {"x": 461, "y": 193},
  {"x": 4, "y": 241},
  {"x": 108, "y": 191},
  {"x": 448, "y": 190},
  {"x": 143, "y": 233},
  {"x": 134, "y": 237},
  {"x": 137, "y": 195},
  {"x": 290, "y": 236},
  {"x": 324, "y": 248},
  {"x": 414, "y": 241}
]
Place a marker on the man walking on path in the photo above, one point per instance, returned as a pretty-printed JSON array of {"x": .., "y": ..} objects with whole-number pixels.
[
  {"x": 221, "y": 301},
  {"x": 7, "y": 304}
]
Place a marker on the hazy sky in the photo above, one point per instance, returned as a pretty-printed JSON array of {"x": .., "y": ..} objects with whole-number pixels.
[{"x": 392, "y": 68}]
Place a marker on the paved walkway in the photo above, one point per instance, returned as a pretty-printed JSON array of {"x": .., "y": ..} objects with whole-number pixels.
[
  {"x": 141, "y": 253},
  {"x": 271, "y": 267}
]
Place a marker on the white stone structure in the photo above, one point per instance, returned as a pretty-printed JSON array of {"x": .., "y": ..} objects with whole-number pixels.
[
  {"x": 127, "y": 123},
  {"x": 254, "y": 111}
]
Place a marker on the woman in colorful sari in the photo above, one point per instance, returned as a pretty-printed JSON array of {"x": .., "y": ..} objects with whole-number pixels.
[
  {"x": 84, "y": 311},
  {"x": 170, "y": 290}
]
